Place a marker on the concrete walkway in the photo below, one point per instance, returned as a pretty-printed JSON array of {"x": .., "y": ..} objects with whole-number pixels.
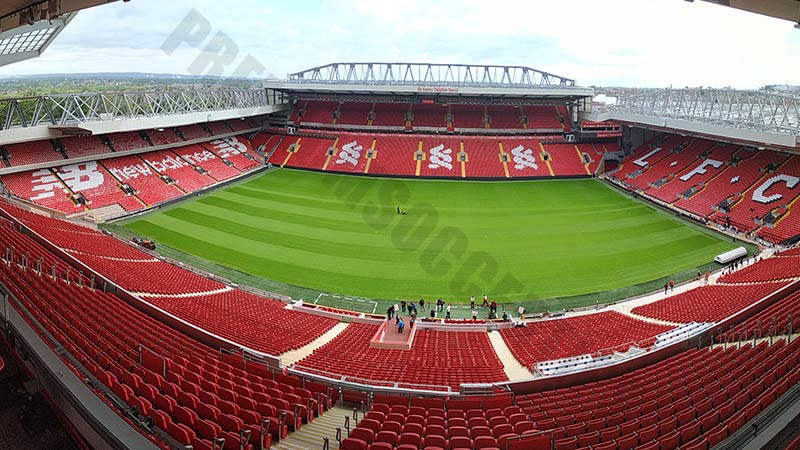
[
  {"x": 293, "y": 356},
  {"x": 310, "y": 437},
  {"x": 514, "y": 370}
]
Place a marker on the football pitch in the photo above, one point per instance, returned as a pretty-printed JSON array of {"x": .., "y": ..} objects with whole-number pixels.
[{"x": 515, "y": 241}]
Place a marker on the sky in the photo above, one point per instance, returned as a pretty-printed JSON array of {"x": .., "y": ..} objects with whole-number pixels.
[{"x": 634, "y": 43}]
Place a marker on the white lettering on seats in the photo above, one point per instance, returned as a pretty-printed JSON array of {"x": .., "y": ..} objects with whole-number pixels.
[
  {"x": 350, "y": 153},
  {"x": 642, "y": 162},
  {"x": 198, "y": 157},
  {"x": 229, "y": 146},
  {"x": 171, "y": 162},
  {"x": 441, "y": 157},
  {"x": 735, "y": 179},
  {"x": 523, "y": 157},
  {"x": 132, "y": 172},
  {"x": 81, "y": 177},
  {"x": 44, "y": 183},
  {"x": 758, "y": 194},
  {"x": 701, "y": 169}
]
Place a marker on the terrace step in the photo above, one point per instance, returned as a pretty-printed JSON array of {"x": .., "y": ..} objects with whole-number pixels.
[{"x": 310, "y": 436}]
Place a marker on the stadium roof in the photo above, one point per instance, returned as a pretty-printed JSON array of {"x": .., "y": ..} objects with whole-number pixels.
[
  {"x": 426, "y": 79},
  {"x": 28, "y": 27},
  {"x": 757, "y": 117},
  {"x": 780, "y": 9}
]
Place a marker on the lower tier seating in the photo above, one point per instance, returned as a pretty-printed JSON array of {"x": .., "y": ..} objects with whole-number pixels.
[
  {"x": 182, "y": 386},
  {"x": 707, "y": 303},
  {"x": 578, "y": 335},
  {"x": 438, "y": 358}
]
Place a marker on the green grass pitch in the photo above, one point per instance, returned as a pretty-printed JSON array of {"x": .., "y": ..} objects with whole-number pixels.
[{"x": 519, "y": 240}]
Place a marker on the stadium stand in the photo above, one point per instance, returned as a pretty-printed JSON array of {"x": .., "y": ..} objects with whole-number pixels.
[
  {"x": 708, "y": 303},
  {"x": 34, "y": 152},
  {"x": 705, "y": 168},
  {"x": 249, "y": 320},
  {"x": 770, "y": 269},
  {"x": 218, "y": 128},
  {"x": 128, "y": 140},
  {"x": 468, "y": 423},
  {"x": 354, "y": 113},
  {"x": 681, "y": 402},
  {"x": 735, "y": 179},
  {"x": 236, "y": 149},
  {"x": 97, "y": 185},
  {"x": 504, "y": 117},
  {"x": 186, "y": 177},
  {"x": 165, "y": 136},
  {"x": 542, "y": 118},
  {"x": 395, "y": 155},
  {"x": 553, "y": 339},
  {"x": 352, "y": 153},
  {"x": 483, "y": 158},
  {"x": 428, "y": 116},
  {"x": 692, "y": 400},
  {"x": 436, "y": 358},
  {"x": 43, "y": 188},
  {"x": 182, "y": 385},
  {"x": 390, "y": 114},
  {"x": 197, "y": 155},
  {"x": 193, "y": 132},
  {"x": 77, "y": 146},
  {"x": 318, "y": 112},
  {"x": 468, "y": 116},
  {"x": 148, "y": 184},
  {"x": 239, "y": 125},
  {"x": 567, "y": 160},
  {"x": 526, "y": 158},
  {"x": 780, "y": 318}
]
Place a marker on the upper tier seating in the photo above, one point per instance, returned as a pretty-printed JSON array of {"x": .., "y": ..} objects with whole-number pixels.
[
  {"x": 77, "y": 146},
  {"x": 504, "y": 117},
  {"x": 34, "y": 152},
  {"x": 542, "y": 118},
  {"x": 193, "y": 132},
  {"x": 390, "y": 114},
  {"x": 707, "y": 303},
  {"x": 129, "y": 140},
  {"x": 440, "y": 358},
  {"x": 319, "y": 112},
  {"x": 578, "y": 335},
  {"x": 429, "y": 116},
  {"x": 353, "y": 113},
  {"x": 239, "y": 124},
  {"x": 166, "y": 136},
  {"x": 181, "y": 384},
  {"x": 218, "y": 127},
  {"x": 468, "y": 116}
]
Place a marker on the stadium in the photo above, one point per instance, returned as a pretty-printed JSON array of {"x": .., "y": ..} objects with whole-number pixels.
[{"x": 401, "y": 256}]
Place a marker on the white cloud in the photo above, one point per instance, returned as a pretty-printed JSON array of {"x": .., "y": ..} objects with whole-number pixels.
[{"x": 613, "y": 42}]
